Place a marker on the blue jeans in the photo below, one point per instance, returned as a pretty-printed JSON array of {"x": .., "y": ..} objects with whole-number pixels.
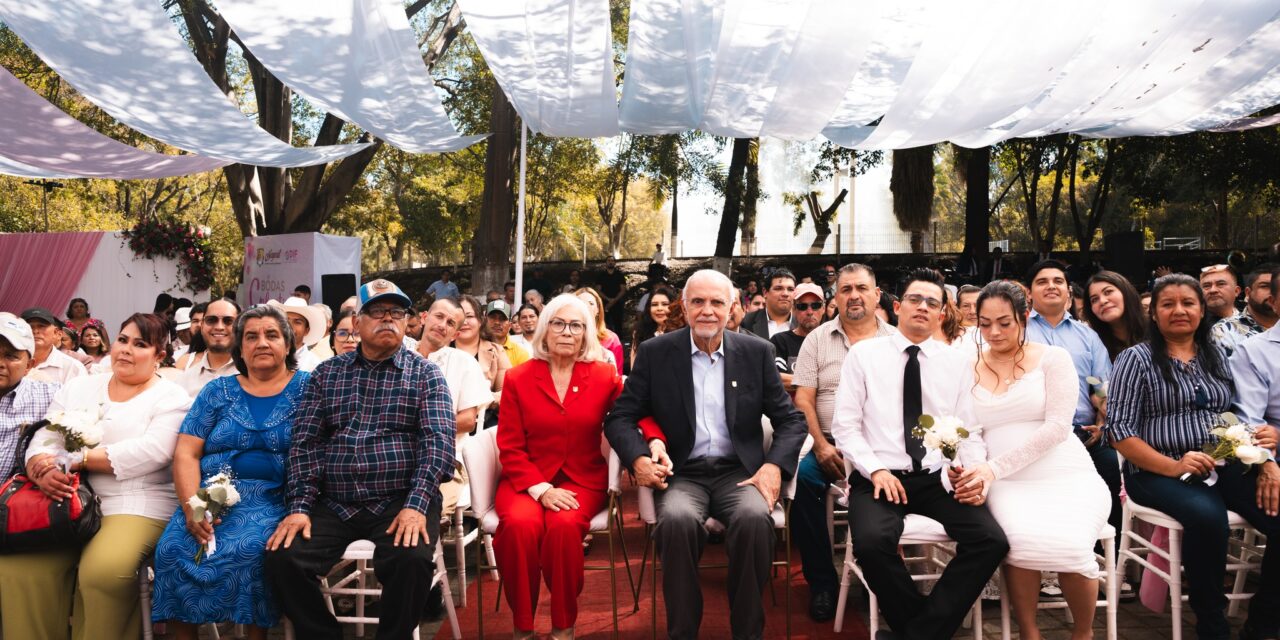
[
  {"x": 1202, "y": 512},
  {"x": 809, "y": 526}
]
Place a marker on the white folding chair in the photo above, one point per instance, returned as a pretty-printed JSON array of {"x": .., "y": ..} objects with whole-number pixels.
[
  {"x": 918, "y": 531},
  {"x": 1243, "y": 555},
  {"x": 480, "y": 453},
  {"x": 1107, "y": 560},
  {"x": 781, "y": 522}
]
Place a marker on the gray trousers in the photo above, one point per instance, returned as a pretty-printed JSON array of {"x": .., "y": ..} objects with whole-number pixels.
[{"x": 708, "y": 488}]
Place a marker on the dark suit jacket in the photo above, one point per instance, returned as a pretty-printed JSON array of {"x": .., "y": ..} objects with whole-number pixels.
[
  {"x": 757, "y": 322},
  {"x": 661, "y": 386}
]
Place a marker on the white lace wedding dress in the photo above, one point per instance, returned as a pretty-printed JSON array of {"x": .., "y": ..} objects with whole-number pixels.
[{"x": 1047, "y": 496}]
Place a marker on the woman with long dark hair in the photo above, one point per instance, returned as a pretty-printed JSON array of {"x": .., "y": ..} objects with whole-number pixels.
[
  {"x": 1166, "y": 394},
  {"x": 1044, "y": 490},
  {"x": 651, "y": 321},
  {"x": 1114, "y": 310}
]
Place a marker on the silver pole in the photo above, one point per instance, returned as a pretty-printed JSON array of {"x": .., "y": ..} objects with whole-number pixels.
[{"x": 520, "y": 220}]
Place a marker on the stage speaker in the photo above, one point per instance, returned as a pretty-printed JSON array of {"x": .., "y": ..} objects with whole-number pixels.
[
  {"x": 335, "y": 288},
  {"x": 1126, "y": 255}
]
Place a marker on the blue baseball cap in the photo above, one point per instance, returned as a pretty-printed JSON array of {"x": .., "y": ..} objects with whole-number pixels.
[{"x": 380, "y": 289}]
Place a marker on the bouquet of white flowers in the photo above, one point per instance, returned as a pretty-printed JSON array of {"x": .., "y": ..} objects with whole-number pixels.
[
  {"x": 1234, "y": 440},
  {"x": 943, "y": 437},
  {"x": 210, "y": 502},
  {"x": 74, "y": 431},
  {"x": 1098, "y": 388}
]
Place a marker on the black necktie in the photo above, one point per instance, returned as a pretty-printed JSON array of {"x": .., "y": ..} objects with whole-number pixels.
[{"x": 912, "y": 405}]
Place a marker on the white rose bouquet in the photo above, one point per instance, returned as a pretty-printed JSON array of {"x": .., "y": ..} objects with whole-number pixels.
[
  {"x": 210, "y": 503},
  {"x": 1234, "y": 440},
  {"x": 943, "y": 438},
  {"x": 74, "y": 431},
  {"x": 1098, "y": 388}
]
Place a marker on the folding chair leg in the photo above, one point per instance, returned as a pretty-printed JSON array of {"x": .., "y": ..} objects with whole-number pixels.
[
  {"x": 653, "y": 586},
  {"x": 1175, "y": 584},
  {"x": 480, "y": 588},
  {"x": 1113, "y": 587},
  {"x": 644, "y": 561},
  {"x": 622, "y": 540},
  {"x": 613, "y": 584},
  {"x": 447, "y": 592}
]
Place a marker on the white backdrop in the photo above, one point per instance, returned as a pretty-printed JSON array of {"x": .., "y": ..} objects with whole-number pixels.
[
  {"x": 274, "y": 265},
  {"x": 117, "y": 283}
]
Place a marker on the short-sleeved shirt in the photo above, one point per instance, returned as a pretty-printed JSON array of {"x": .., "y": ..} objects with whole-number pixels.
[
  {"x": 611, "y": 284},
  {"x": 515, "y": 353},
  {"x": 819, "y": 362},
  {"x": 467, "y": 385},
  {"x": 1172, "y": 417},
  {"x": 441, "y": 289},
  {"x": 786, "y": 348},
  {"x": 58, "y": 367},
  {"x": 199, "y": 373},
  {"x": 26, "y": 403},
  {"x": 1255, "y": 369},
  {"x": 1229, "y": 332}
]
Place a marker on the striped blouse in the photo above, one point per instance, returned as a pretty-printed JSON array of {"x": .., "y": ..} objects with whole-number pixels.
[{"x": 1172, "y": 418}]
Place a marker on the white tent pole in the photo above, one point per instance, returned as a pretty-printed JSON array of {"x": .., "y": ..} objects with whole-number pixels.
[{"x": 520, "y": 220}]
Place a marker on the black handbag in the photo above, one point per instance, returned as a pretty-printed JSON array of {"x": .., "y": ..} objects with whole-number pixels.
[{"x": 32, "y": 521}]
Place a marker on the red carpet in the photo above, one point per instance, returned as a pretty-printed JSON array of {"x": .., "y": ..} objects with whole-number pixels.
[{"x": 595, "y": 618}]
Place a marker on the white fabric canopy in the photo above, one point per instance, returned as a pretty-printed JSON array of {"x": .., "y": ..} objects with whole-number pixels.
[
  {"x": 127, "y": 57},
  {"x": 38, "y": 140},
  {"x": 358, "y": 59},
  {"x": 554, "y": 60}
]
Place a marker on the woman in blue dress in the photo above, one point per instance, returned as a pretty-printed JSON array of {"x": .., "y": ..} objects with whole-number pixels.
[{"x": 241, "y": 424}]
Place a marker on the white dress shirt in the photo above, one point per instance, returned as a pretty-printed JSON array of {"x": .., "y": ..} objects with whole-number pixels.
[
  {"x": 867, "y": 425},
  {"x": 139, "y": 436},
  {"x": 58, "y": 367},
  {"x": 307, "y": 361}
]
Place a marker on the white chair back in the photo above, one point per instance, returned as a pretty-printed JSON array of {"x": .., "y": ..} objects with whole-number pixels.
[{"x": 480, "y": 455}]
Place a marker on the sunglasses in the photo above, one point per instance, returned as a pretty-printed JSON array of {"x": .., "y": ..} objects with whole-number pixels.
[
  {"x": 806, "y": 306},
  {"x": 213, "y": 321}
]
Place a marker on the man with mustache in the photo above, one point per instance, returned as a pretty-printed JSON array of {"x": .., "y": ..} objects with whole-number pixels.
[
  {"x": 1257, "y": 317},
  {"x": 816, "y": 378},
  {"x": 215, "y": 361},
  {"x": 372, "y": 441},
  {"x": 1221, "y": 288}
]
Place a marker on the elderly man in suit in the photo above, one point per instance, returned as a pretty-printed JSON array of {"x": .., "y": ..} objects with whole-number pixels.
[{"x": 707, "y": 389}]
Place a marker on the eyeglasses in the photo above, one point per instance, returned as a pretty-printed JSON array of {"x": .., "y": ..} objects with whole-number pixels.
[
  {"x": 1215, "y": 267},
  {"x": 805, "y": 306},
  {"x": 213, "y": 321},
  {"x": 343, "y": 334},
  {"x": 378, "y": 313},
  {"x": 917, "y": 300},
  {"x": 560, "y": 326}
]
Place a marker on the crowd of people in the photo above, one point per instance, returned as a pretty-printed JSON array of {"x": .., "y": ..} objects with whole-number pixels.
[{"x": 345, "y": 430}]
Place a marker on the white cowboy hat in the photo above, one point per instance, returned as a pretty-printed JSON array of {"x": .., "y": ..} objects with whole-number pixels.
[{"x": 315, "y": 317}]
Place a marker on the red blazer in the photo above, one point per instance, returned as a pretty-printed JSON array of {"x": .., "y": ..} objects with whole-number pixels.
[{"x": 538, "y": 437}]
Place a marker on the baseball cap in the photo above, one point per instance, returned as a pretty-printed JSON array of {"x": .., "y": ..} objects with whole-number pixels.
[
  {"x": 40, "y": 313},
  {"x": 381, "y": 289},
  {"x": 182, "y": 318},
  {"x": 499, "y": 305},
  {"x": 808, "y": 288},
  {"x": 17, "y": 332}
]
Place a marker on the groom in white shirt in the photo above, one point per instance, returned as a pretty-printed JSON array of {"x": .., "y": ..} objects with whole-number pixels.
[{"x": 886, "y": 385}]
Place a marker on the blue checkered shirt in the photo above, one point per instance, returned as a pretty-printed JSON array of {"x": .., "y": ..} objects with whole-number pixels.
[
  {"x": 370, "y": 434},
  {"x": 24, "y": 404}
]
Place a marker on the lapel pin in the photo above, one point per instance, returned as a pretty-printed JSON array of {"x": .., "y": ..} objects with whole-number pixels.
[
  {"x": 733, "y": 383},
  {"x": 575, "y": 389}
]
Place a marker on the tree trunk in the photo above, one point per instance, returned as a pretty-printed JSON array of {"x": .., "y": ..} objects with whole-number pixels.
[
  {"x": 732, "y": 205},
  {"x": 492, "y": 245},
  {"x": 675, "y": 215},
  {"x": 977, "y": 203},
  {"x": 911, "y": 183},
  {"x": 750, "y": 196}
]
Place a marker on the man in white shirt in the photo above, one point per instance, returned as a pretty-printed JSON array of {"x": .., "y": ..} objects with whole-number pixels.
[
  {"x": 217, "y": 330},
  {"x": 182, "y": 325},
  {"x": 886, "y": 384},
  {"x": 50, "y": 364},
  {"x": 462, "y": 374},
  {"x": 526, "y": 322},
  {"x": 308, "y": 329}
]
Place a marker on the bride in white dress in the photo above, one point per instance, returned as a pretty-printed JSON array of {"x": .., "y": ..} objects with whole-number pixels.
[{"x": 1044, "y": 490}]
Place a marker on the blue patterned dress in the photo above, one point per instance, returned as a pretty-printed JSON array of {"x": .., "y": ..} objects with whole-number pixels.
[{"x": 249, "y": 435}]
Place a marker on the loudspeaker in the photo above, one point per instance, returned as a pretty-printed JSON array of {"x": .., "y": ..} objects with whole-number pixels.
[
  {"x": 1126, "y": 255},
  {"x": 335, "y": 288}
]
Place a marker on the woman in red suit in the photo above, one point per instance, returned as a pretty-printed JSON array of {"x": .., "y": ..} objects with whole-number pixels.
[{"x": 554, "y": 476}]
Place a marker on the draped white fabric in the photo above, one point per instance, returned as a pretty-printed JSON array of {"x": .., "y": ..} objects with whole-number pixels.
[
  {"x": 127, "y": 57},
  {"x": 916, "y": 72},
  {"x": 37, "y": 140},
  {"x": 554, "y": 60},
  {"x": 358, "y": 59}
]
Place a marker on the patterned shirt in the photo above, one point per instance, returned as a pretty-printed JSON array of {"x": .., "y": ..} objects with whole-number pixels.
[
  {"x": 1229, "y": 332},
  {"x": 1172, "y": 418},
  {"x": 818, "y": 365},
  {"x": 24, "y": 404},
  {"x": 368, "y": 434}
]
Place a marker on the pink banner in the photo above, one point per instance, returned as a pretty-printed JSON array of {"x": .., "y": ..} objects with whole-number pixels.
[{"x": 43, "y": 269}]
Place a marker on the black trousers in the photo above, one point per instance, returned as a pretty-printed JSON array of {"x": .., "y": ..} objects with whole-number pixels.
[
  {"x": 405, "y": 572},
  {"x": 876, "y": 526}
]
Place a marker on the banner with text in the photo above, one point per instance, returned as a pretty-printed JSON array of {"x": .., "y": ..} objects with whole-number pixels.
[{"x": 275, "y": 265}]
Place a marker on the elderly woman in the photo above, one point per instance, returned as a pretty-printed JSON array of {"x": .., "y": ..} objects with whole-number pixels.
[
  {"x": 242, "y": 424},
  {"x": 608, "y": 340},
  {"x": 345, "y": 337},
  {"x": 130, "y": 471},
  {"x": 1165, "y": 395},
  {"x": 554, "y": 478}
]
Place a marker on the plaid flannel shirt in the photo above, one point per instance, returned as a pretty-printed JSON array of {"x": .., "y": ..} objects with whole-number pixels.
[
  {"x": 25, "y": 403},
  {"x": 368, "y": 434}
]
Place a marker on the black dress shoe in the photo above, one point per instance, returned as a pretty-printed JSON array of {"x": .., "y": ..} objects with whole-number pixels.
[
  {"x": 886, "y": 635},
  {"x": 822, "y": 606}
]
